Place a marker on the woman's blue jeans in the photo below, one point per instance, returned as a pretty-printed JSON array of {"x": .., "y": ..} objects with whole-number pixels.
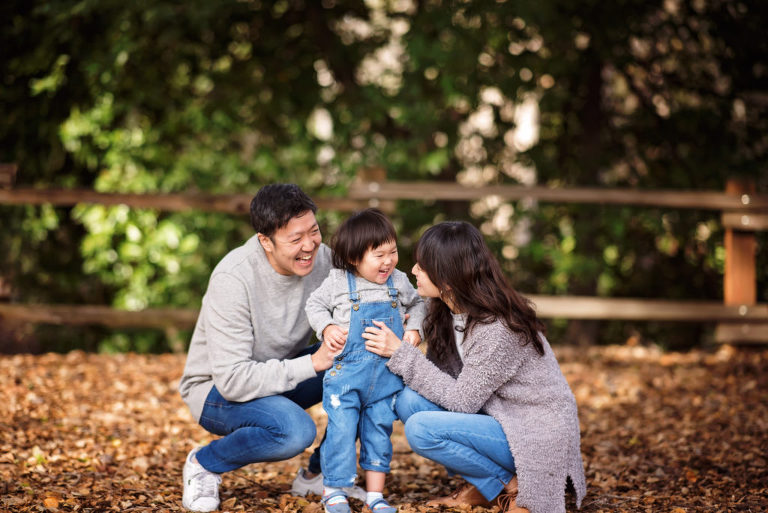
[
  {"x": 472, "y": 445},
  {"x": 272, "y": 428}
]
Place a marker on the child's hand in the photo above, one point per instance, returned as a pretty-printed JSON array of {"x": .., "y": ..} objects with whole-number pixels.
[
  {"x": 334, "y": 337},
  {"x": 412, "y": 337}
]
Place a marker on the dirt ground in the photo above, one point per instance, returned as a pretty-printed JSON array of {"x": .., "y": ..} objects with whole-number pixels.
[{"x": 661, "y": 432}]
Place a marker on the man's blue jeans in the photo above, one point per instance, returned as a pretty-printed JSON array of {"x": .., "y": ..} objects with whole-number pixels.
[
  {"x": 471, "y": 445},
  {"x": 272, "y": 428}
]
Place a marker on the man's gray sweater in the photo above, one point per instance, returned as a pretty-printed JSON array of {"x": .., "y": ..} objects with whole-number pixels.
[{"x": 251, "y": 326}]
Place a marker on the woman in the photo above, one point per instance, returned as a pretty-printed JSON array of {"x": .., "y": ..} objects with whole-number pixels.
[{"x": 488, "y": 400}]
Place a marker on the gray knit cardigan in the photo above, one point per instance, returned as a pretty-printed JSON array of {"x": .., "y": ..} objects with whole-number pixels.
[{"x": 528, "y": 395}]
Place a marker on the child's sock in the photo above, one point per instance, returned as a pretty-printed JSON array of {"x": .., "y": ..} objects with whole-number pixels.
[{"x": 372, "y": 496}]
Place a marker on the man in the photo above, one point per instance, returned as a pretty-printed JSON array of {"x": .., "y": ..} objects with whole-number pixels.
[{"x": 249, "y": 374}]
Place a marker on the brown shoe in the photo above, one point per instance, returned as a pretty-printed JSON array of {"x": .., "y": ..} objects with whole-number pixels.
[
  {"x": 467, "y": 495},
  {"x": 507, "y": 499},
  {"x": 508, "y": 504}
]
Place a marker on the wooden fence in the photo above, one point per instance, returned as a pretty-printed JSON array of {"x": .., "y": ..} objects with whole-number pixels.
[{"x": 743, "y": 212}]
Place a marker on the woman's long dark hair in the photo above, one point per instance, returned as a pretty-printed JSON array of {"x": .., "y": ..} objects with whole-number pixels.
[{"x": 459, "y": 263}]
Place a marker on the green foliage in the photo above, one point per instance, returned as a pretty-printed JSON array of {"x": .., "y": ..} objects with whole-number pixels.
[{"x": 227, "y": 96}]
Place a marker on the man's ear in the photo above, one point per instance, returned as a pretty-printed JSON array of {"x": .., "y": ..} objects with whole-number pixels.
[{"x": 266, "y": 243}]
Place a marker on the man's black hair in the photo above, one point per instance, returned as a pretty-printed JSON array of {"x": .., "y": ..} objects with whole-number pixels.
[{"x": 275, "y": 204}]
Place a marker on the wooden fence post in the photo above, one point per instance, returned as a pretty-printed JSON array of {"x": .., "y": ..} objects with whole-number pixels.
[
  {"x": 740, "y": 276},
  {"x": 740, "y": 285}
]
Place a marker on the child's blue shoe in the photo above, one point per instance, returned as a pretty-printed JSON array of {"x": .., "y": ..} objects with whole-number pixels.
[
  {"x": 336, "y": 503},
  {"x": 381, "y": 506}
]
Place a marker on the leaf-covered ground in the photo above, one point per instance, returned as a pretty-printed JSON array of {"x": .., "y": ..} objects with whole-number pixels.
[{"x": 674, "y": 432}]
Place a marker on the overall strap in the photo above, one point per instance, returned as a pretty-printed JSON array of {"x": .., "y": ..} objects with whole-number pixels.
[
  {"x": 392, "y": 291},
  {"x": 354, "y": 295}
]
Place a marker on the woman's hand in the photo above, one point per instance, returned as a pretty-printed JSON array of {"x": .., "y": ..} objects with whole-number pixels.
[{"x": 381, "y": 340}]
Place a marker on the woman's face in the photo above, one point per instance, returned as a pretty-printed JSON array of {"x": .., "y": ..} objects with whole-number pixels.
[{"x": 424, "y": 285}]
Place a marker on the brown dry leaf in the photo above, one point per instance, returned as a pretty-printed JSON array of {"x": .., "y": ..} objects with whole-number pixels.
[
  {"x": 140, "y": 465},
  {"x": 229, "y": 503},
  {"x": 51, "y": 502},
  {"x": 312, "y": 507},
  {"x": 668, "y": 432}
]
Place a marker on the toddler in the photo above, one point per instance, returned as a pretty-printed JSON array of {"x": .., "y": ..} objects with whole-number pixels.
[{"x": 359, "y": 390}]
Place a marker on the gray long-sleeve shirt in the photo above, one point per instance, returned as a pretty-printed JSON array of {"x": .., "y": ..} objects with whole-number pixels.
[
  {"x": 525, "y": 392},
  {"x": 251, "y": 326},
  {"x": 329, "y": 303}
]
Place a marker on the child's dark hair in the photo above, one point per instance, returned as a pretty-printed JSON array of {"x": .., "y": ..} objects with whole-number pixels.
[
  {"x": 362, "y": 231},
  {"x": 275, "y": 204}
]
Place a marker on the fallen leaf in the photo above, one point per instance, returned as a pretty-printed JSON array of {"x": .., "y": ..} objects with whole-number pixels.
[
  {"x": 140, "y": 465},
  {"x": 312, "y": 507},
  {"x": 677, "y": 438},
  {"x": 51, "y": 502}
]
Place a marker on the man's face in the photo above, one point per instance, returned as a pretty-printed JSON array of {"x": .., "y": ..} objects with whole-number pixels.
[{"x": 292, "y": 249}]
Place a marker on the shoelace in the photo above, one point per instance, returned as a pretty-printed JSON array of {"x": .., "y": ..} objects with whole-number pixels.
[
  {"x": 507, "y": 500},
  {"x": 206, "y": 485}
]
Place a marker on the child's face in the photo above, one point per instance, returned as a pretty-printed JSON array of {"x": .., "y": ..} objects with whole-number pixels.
[{"x": 378, "y": 263}]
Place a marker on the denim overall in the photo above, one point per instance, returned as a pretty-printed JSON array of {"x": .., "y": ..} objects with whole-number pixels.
[{"x": 359, "y": 395}]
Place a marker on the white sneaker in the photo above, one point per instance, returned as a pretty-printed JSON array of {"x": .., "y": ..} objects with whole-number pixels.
[
  {"x": 303, "y": 485},
  {"x": 201, "y": 488}
]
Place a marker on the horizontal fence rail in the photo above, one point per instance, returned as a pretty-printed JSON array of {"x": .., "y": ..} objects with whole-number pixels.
[
  {"x": 98, "y": 315},
  {"x": 570, "y": 307},
  {"x": 225, "y": 203},
  {"x": 706, "y": 200},
  {"x": 361, "y": 192},
  {"x": 738, "y": 318},
  {"x": 589, "y": 307}
]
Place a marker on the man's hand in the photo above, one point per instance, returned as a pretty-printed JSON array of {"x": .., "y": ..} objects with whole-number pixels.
[
  {"x": 412, "y": 337},
  {"x": 322, "y": 359},
  {"x": 335, "y": 338}
]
